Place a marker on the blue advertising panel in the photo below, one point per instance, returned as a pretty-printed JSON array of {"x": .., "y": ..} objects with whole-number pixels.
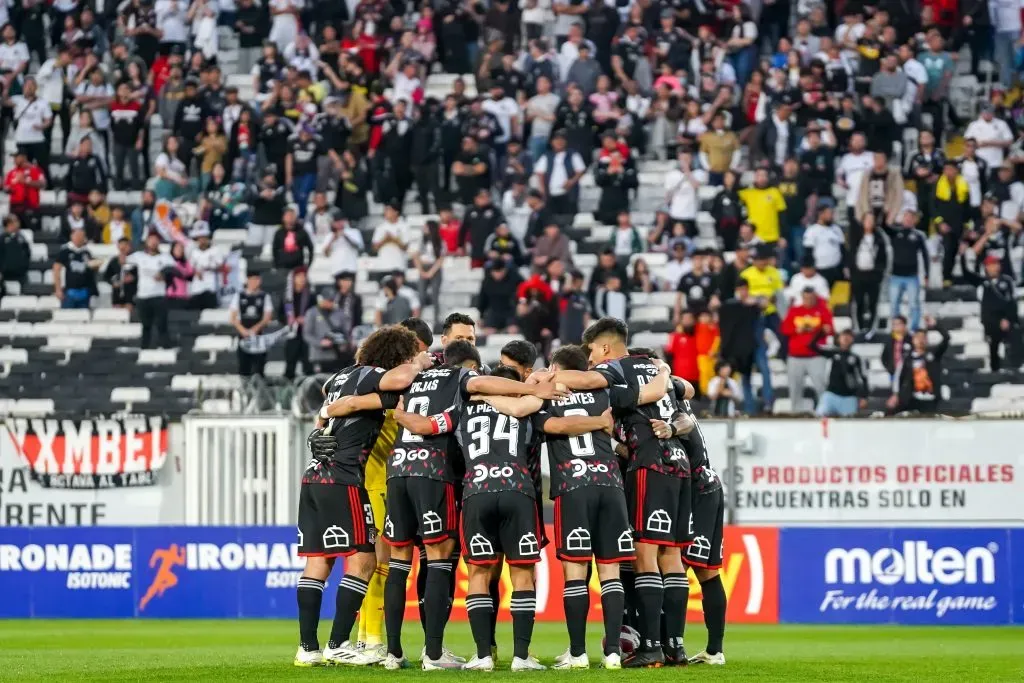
[
  {"x": 896, "y": 576},
  {"x": 160, "y": 572},
  {"x": 1017, "y": 548}
]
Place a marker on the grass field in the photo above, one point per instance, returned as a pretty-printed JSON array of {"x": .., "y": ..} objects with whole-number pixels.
[{"x": 262, "y": 650}]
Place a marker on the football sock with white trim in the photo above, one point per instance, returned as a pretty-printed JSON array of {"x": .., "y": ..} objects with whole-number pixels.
[
  {"x": 435, "y": 599},
  {"x": 351, "y": 591},
  {"x": 612, "y": 599},
  {"x": 650, "y": 596},
  {"x": 310, "y": 595},
  {"x": 524, "y": 613},
  {"x": 479, "y": 608},
  {"x": 576, "y": 603},
  {"x": 677, "y": 594},
  {"x": 394, "y": 603}
]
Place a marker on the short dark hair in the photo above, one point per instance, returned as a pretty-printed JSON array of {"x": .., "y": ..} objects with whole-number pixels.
[
  {"x": 901, "y": 318},
  {"x": 606, "y": 326},
  {"x": 644, "y": 351},
  {"x": 506, "y": 371},
  {"x": 458, "y": 352},
  {"x": 521, "y": 351},
  {"x": 420, "y": 328},
  {"x": 388, "y": 347},
  {"x": 570, "y": 357},
  {"x": 456, "y": 319}
]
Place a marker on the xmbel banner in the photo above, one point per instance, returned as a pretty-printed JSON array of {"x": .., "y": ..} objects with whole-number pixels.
[
  {"x": 228, "y": 572},
  {"x": 901, "y": 576}
]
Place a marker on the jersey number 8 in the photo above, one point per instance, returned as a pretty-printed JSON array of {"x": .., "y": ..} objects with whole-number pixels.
[{"x": 583, "y": 444}]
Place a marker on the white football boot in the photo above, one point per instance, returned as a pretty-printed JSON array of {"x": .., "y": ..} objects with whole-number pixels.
[
  {"x": 564, "y": 656},
  {"x": 479, "y": 664},
  {"x": 570, "y": 662},
  {"x": 447, "y": 656},
  {"x": 612, "y": 661},
  {"x": 704, "y": 658},
  {"x": 393, "y": 663},
  {"x": 528, "y": 664},
  {"x": 308, "y": 657},
  {"x": 347, "y": 655}
]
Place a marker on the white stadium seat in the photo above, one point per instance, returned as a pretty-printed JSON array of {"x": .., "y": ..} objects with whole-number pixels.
[
  {"x": 111, "y": 315},
  {"x": 130, "y": 395},
  {"x": 12, "y": 356},
  {"x": 32, "y": 407},
  {"x": 70, "y": 315},
  {"x": 215, "y": 316},
  {"x": 214, "y": 343},
  {"x": 19, "y": 303},
  {"x": 158, "y": 356}
]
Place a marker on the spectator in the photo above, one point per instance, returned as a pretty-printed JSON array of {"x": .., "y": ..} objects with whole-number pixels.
[
  {"x": 403, "y": 290},
  {"x": 851, "y": 170},
  {"x": 151, "y": 294},
  {"x": 918, "y": 378},
  {"x": 126, "y": 129},
  {"x": 642, "y": 280},
  {"x": 95, "y": 95},
  {"x": 15, "y": 254},
  {"x": 817, "y": 162},
  {"x": 727, "y": 210},
  {"x": 992, "y": 135},
  {"x": 558, "y": 173},
  {"x": 251, "y": 311},
  {"x": 503, "y": 245},
  {"x": 391, "y": 239},
  {"x": 697, "y": 288},
  {"x": 881, "y": 193},
  {"x": 552, "y": 245},
  {"x": 805, "y": 324},
  {"x": 537, "y": 312},
  {"x": 396, "y": 307},
  {"x": 765, "y": 206},
  {"x": 429, "y": 260},
  {"x": 807, "y": 277},
  {"x": 625, "y": 240},
  {"x": 616, "y": 176},
  {"x": 574, "y": 310},
  {"x": 681, "y": 350},
  {"x": 516, "y": 206},
  {"x": 742, "y": 347},
  {"x": 117, "y": 227},
  {"x": 211, "y": 149},
  {"x": 682, "y": 187},
  {"x": 74, "y": 281},
  {"x": 177, "y": 276},
  {"x": 85, "y": 174},
  {"x": 497, "y": 300},
  {"x": 909, "y": 264},
  {"x": 207, "y": 263},
  {"x": 678, "y": 266},
  {"x": 775, "y": 138},
  {"x": 122, "y": 276},
  {"x": 731, "y": 272},
  {"x": 975, "y": 171},
  {"x": 847, "y": 387},
  {"x": 950, "y": 211},
  {"x": 827, "y": 243},
  {"x": 719, "y": 150},
  {"x": 998, "y": 307},
  {"x": 54, "y": 78},
  {"x": 479, "y": 224},
  {"x": 23, "y": 185},
  {"x": 472, "y": 170},
  {"x": 292, "y": 247},
  {"x": 924, "y": 169},
  {"x": 868, "y": 263},
  {"x": 610, "y": 301},
  {"x": 171, "y": 172},
  {"x": 765, "y": 284},
  {"x": 723, "y": 391},
  {"x": 1006, "y": 20},
  {"x": 607, "y": 266},
  {"x": 33, "y": 117},
  {"x": 540, "y": 113},
  {"x": 77, "y": 218}
]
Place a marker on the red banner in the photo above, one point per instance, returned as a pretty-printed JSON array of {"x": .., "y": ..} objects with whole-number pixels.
[{"x": 749, "y": 573}]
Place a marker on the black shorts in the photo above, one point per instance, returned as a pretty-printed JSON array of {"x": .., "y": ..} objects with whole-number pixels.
[
  {"x": 708, "y": 519},
  {"x": 655, "y": 501},
  {"x": 335, "y": 520},
  {"x": 592, "y": 521},
  {"x": 418, "y": 506},
  {"x": 500, "y": 523}
]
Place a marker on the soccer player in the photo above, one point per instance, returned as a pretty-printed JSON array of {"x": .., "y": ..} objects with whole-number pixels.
[
  {"x": 421, "y": 494},
  {"x": 499, "y": 511},
  {"x": 371, "y": 616},
  {"x": 591, "y": 513},
  {"x": 705, "y": 554},
  {"x": 335, "y": 518},
  {"x": 656, "y": 490}
]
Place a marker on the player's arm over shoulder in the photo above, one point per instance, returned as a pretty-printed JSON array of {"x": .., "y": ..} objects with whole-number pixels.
[
  {"x": 515, "y": 406},
  {"x": 399, "y": 378},
  {"x": 575, "y": 425},
  {"x": 655, "y": 390},
  {"x": 426, "y": 425},
  {"x": 586, "y": 380}
]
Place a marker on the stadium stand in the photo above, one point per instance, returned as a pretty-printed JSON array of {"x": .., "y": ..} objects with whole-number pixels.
[{"x": 92, "y": 361}]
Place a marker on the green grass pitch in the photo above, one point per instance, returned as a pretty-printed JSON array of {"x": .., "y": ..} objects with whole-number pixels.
[{"x": 41, "y": 650}]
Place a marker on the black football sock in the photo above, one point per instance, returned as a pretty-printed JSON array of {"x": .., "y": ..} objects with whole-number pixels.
[
  {"x": 479, "y": 609},
  {"x": 714, "y": 602},
  {"x": 627, "y": 577},
  {"x": 677, "y": 594},
  {"x": 453, "y": 580},
  {"x": 495, "y": 594},
  {"x": 310, "y": 595},
  {"x": 649, "y": 593},
  {"x": 576, "y": 603},
  {"x": 524, "y": 612},
  {"x": 612, "y": 597},
  {"x": 394, "y": 603},
  {"x": 434, "y": 601},
  {"x": 351, "y": 591},
  {"x": 421, "y": 587}
]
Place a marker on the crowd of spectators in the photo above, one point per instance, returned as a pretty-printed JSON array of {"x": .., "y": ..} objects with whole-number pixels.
[{"x": 786, "y": 110}]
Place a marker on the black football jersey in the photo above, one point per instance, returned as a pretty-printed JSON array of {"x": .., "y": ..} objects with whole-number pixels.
[
  {"x": 438, "y": 390},
  {"x": 355, "y": 433},
  {"x": 496, "y": 448},
  {"x": 704, "y": 478},
  {"x": 584, "y": 460},
  {"x": 633, "y": 426}
]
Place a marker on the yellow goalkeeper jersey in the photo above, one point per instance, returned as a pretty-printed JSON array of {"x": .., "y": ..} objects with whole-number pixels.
[{"x": 376, "y": 463}]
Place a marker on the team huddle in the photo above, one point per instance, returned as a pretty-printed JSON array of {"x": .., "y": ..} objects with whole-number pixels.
[{"x": 431, "y": 457}]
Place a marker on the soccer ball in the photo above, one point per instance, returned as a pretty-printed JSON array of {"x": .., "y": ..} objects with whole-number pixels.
[{"x": 629, "y": 640}]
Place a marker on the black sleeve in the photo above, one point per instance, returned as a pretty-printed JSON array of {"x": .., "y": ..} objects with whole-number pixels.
[
  {"x": 623, "y": 397},
  {"x": 369, "y": 381},
  {"x": 611, "y": 371},
  {"x": 389, "y": 399},
  {"x": 464, "y": 377},
  {"x": 540, "y": 418}
]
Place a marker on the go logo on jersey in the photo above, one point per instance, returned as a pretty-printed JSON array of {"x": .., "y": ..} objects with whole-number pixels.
[
  {"x": 581, "y": 467},
  {"x": 402, "y": 455},
  {"x": 482, "y": 472}
]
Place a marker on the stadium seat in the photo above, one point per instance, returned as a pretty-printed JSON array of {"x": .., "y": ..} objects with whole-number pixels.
[
  {"x": 32, "y": 407},
  {"x": 130, "y": 396},
  {"x": 111, "y": 315},
  {"x": 158, "y": 356}
]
